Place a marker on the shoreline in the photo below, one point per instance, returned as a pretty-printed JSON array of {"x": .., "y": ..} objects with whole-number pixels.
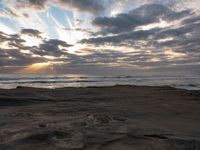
[{"x": 106, "y": 118}]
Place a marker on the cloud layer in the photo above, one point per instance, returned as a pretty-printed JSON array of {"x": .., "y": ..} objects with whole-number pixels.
[{"x": 134, "y": 35}]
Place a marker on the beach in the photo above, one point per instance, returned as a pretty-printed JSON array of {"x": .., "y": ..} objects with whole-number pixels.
[{"x": 117, "y": 117}]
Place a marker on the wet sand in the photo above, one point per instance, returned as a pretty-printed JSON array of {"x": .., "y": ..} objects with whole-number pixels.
[{"x": 104, "y": 118}]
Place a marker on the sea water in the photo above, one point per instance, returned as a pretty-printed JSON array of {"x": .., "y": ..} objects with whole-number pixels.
[{"x": 59, "y": 81}]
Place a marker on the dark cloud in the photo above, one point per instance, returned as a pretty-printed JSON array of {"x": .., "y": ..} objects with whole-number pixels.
[
  {"x": 12, "y": 55},
  {"x": 57, "y": 43},
  {"x": 91, "y": 6},
  {"x": 183, "y": 37},
  {"x": 32, "y": 32},
  {"x": 104, "y": 56},
  {"x": 51, "y": 47},
  {"x": 170, "y": 47},
  {"x": 143, "y": 15},
  {"x": 35, "y": 4},
  {"x": 120, "y": 38},
  {"x": 117, "y": 59},
  {"x": 13, "y": 39},
  {"x": 192, "y": 19},
  {"x": 192, "y": 29},
  {"x": 25, "y": 15}
]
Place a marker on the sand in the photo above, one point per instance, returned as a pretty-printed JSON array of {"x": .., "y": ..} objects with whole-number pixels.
[{"x": 104, "y": 118}]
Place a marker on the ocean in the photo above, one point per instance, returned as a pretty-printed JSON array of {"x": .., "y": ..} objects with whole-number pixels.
[{"x": 59, "y": 81}]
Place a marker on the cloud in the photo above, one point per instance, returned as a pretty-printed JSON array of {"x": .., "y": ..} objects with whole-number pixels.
[
  {"x": 32, "y": 32},
  {"x": 103, "y": 56},
  {"x": 151, "y": 36},
  {"x": 180, "y": 34},
  {"x": 14, "y": 52},
  {"x": 57, "y": 43},
  {"x": 170, "y": 46},
  {"x": 13, "y": 57},
  {"x": 185, "y": 38},
  {"x": 52, "y": 47},
  {"x": 91, "y": 6},
  {"x": 35, "y": 4},
  {"x": 143, "y": 15},
  {"x": 12, "y": 39},
  {"x": 8, "y": 12},
  {"x": 120, "y": 38}
]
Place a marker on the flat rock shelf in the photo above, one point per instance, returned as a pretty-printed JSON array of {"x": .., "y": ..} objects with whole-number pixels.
[{"x": 100, "y": 118}]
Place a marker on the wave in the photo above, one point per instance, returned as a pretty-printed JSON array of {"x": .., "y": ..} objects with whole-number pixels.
[
  {"x": 29, "y": 82},
  {"x": 187, "y": 82}
]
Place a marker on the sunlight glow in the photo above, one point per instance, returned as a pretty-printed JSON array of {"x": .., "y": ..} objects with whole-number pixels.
[
  {"x": 160, "y": 24},
  {"x": 49, "y": 57},
  {"x": 35, "y": 68},
  {"x": 30, "y": 40},
  {"x": 40, "y": 68},
  {"x": 75, "y": 48},
  {"x": 172, "y": 54},
  {"x": 165, "y": 39},
  {"x": 25, "y": 51},
  {"x": 155, "y": 60},
  {"x": 6, "y": 29},
  {"x": 5, "y": 45}
]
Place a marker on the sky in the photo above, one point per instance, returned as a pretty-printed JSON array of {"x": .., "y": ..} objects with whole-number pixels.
[{"x": 100, "y": 37}]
